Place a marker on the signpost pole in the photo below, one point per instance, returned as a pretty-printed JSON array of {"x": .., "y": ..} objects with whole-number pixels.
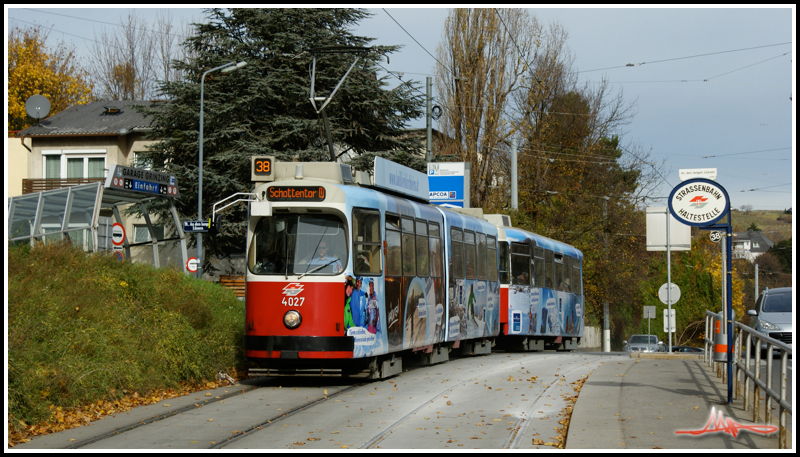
[
  {"x": 729, "y": 290},
  {"x": 669, "y": 286}
]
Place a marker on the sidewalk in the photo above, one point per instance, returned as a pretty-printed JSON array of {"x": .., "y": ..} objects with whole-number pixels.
[{"x": 639, "y": 403}]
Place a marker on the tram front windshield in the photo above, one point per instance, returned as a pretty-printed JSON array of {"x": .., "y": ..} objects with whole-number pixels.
[{"x": 298, "y": 245}]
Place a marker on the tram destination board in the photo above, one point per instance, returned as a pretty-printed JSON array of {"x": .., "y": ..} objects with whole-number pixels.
[{"x": 296, "y": 194}]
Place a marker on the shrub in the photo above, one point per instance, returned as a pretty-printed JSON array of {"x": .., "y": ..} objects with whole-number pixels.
[{"x": 86, "y": 327}]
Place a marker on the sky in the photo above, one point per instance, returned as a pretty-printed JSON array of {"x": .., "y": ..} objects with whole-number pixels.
[{"x": 713, "y": 87}]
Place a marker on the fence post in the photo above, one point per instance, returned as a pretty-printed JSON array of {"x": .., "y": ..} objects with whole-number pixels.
[{"x": 757, "y": 375}]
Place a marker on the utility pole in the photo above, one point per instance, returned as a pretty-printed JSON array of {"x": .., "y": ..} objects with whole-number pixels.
[
  {"x": 428, "y": 112},
  {"x": 514, "y": 196}
]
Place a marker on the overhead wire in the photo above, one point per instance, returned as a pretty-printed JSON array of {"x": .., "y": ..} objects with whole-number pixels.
[
  {"x": 687, "y": 57},
  {"x": 415, "y": 40},
  {"x": 100, "y": 22}
]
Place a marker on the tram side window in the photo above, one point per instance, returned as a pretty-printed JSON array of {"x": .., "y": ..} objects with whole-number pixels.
[
  {"x": 558, "y": 273},
  {"x": 469, "y": 253},
  {"x": 435, "y": 246},
  {"x": 576, "y": 277},
  {"x": 538, "y": 266},
  {"x": 457, "y": 243},
  {"x": 491, "y": 257},
  {"x": 422, "y": 248},
  {"x": 548, "y": 269},
  {"x": 503, "y": 263},
  {"x": 567, "y": 274},
  {"x": 394, "y": 258},
  {"x": 409, "y": 262},
  {"x": 482, "y": 274},
  {"x": 520, "y": 264},
  {"x": 367, "y": 242}
]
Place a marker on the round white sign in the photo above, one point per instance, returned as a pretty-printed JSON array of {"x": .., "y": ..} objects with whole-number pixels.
[
  {"x": 698, "y": 202},
  {"x": 191, "y": 265},
  {"x": 674, "y": 293}
]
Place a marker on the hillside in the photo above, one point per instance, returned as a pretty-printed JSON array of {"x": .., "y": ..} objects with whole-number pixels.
[{"x": 776, "y": 225}]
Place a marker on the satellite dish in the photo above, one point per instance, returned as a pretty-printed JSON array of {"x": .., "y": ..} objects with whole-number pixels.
[{"x": 37, "y": 107}]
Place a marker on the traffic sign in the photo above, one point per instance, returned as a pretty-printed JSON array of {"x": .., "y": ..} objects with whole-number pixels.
[
  {"x": 715, "y": 236},
  {"x": 698, "y": 202},
  {"x": 692, "y": 173},
  {"x": 670, "y": 320},
  {"x": 675, "y": 293},
  {"x": 191, "y": 264},
  {"x": 195, "y": 226},
  {"x": 117, "y": 234}
]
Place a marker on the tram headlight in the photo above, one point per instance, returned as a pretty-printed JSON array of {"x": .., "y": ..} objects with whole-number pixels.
[{"x": 292, "y": 319}]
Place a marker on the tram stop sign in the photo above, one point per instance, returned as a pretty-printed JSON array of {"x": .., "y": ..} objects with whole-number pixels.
[{"x": 674, "y": 292}]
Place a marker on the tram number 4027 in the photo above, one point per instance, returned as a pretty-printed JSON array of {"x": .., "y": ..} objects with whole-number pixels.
[{"x": 293, "y": 301}]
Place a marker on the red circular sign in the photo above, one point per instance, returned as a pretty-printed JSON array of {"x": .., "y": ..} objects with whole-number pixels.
[
  {"x": 191, "y": 264},
  {"x": 117, "y": 234}
]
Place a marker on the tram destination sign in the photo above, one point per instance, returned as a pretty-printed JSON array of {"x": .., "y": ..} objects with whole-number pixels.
[
  {"x": 142, "y": 181},
  {"x": 698, "y": 202},
  {"x": 296, "y": 194}
]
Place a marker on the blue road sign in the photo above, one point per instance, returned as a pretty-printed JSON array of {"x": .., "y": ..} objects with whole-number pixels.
[{"x": 195, "y": 226}]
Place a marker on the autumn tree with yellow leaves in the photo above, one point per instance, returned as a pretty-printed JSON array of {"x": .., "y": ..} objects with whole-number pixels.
[
  {"x": 698, "y": 273},
  {"x": 503, "y": 76},
  {"x": 36, "y": 69},
  {"x": 482, "y": 61}
]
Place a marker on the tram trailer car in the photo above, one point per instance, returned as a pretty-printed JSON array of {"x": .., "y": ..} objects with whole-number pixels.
[
  {"x": 343, "y": 278},
  {"x": 541, "y": 293}
]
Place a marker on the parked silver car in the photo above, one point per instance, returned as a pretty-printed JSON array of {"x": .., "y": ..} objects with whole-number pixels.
[
  {"x": 773, "y": 315},
  {"x": 643, "y": 343}
]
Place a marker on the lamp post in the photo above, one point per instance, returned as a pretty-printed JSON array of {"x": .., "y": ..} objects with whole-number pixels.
[{"x": 230, "y": 66}]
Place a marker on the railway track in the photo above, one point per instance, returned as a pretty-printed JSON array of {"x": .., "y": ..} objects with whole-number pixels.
[{"x": 500, "y": 401}]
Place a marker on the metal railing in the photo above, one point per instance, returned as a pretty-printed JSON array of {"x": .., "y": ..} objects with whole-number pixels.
[{"x": 747, "y": 373}]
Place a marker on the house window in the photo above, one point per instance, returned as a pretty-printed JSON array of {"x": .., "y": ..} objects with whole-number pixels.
[
  {"x": 140, "y": 162},
  {"x": 74, "y": 163},
  {"x": 142, "y": 235}
]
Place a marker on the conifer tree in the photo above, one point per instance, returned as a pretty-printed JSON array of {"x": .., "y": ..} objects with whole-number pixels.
[{"x": 263, "y": 108}]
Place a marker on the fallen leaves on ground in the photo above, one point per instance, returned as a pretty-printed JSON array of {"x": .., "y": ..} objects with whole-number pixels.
[
  {"x": 62, "y": 418},
  {"x": 566, "y": 415}
]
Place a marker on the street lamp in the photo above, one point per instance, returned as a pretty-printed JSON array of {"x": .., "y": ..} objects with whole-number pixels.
[{"x": 228, "y": 67}]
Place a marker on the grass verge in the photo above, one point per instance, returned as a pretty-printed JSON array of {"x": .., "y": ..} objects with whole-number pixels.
[{"x": 89, "y": 334}]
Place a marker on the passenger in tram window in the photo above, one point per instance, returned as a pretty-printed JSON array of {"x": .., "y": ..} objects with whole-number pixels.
[
  {"x": 324, "y": 259},
  {"x": 362, "y": 262},
  {"x": 348, "y": 295},
  {"x": 565, "y": 285},
  {"x": 269, "y": 263}
]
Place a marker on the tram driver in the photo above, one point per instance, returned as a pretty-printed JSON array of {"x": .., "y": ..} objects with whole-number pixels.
[{"x": 325, "y": 262}]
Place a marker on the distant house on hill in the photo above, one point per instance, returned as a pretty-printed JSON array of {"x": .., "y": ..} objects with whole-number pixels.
[{"x": 750, "y": 244}]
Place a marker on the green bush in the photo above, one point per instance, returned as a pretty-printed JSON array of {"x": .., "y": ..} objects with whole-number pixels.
[{"x": 86, "y": 327}]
